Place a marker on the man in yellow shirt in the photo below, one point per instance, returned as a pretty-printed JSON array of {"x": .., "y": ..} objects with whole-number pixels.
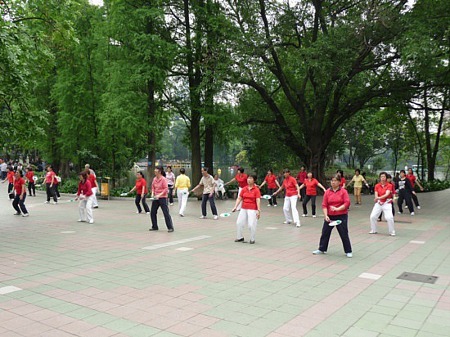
[{"x": 182, "y": 185}]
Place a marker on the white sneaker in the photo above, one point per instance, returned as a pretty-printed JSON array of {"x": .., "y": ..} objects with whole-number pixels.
[
  {"x": 349, "y": 254},
  {"x": 137, "y": 212},
  {"x": 47, "y": 202},
  {"x": 297, "y": 224},
  {"x": 147, "y": 213},
  {"x": 418, "y": 207},
  {"x": 91, "y": 221},
  {"x": 318, "y": 252},
  {"x": 314, "y": 216},
  {"x": 287, "y": 222},
  {"x": 55, "y": 203},
  {"x": 392, "y": 233},
  {"x": 399, "y": 212},
  {"x": 216, "y": 217},
  {"x": 412, "y": 213},
  {"x": 268, "y": 205},
  {"x": 373, "y": 232},
  {"x": 304, "y": 215},
  {"x": 25, "y": 215},
  {"x": 275, "y": 205},
  {"x": 79, "y": 220},
  {"x": 171, "y": 204},
  {"x": 202, "y": 217}
]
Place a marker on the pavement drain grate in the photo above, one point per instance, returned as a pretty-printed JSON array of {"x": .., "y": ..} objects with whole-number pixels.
[{"x": 417, "y": 277}]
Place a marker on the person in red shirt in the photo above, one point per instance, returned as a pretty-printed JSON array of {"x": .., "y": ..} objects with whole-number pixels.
[
  {"x": 30, "y": 179},
  {"x": 160, "y": 190},
  {"x": 272, "y": 186},
  {"x": 56, "y": 186},
  {"x": 301, "y": 176},
  {"x": 335, "y": 205},
  {"x": 413, "y": 180},
  {"x": 389, "y": 181},
  {"x": 292, "y": 194},
  {"x": 241, "y": 179},
  {"x": 84, "y": 194},
  {"x": 250, "y": 197},
  {"x": 10, "y": 176},
  {"x": 383, "y": 200},
  {"x": 343, "y": 181},
  {"x": 310, "y": 184},
  {"x": 50, "y": 179},
  {"x": 141, "y": 193},
  {"x": 21, "y": 194}
]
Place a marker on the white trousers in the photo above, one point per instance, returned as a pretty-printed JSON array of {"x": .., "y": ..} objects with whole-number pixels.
[
  {"x": 246, "y": 217},
  {"x": 386, "y": 208},
  {"x": 85, "y": 209},
  {"x": 291, "y": 203},
  {"x": 240, "y": 204},
  {"x": 94, "y": 197},
  {"x": 182, "y": 194}
]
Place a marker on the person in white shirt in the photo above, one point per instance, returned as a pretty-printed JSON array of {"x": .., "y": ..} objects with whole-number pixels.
[{"x": 219, "y": 189}]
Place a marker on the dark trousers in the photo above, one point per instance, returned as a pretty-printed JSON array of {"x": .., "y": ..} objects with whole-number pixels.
[
  {"x": 342, "y": 230},
  {"x": 10, "y": 187},
  {"x": 205, "y": 199},
  {"x": 31, "y": 188},
  {"x": 50, "y": 192},
  {"x": 273, "y": 200},
  {"x": 404, "y": 195},
  {"x": 414, "y": 198},
  {"x": 171, "y": 194},
  {"x": 313, "y": 203},
  {"x": 19, "y": 205},
  {"x": 56, "y": 190},
  {"x": 161, "y": 202},
  {"x": 302, "y": 193},
  {"x": 138, "y": 201}
]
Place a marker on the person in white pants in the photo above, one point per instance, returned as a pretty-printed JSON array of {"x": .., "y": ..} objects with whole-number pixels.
[
  {"x": 84, "y": 194},
  {"x": 292, "y": 193},
  {"x": 182, "y": 185},
  {"x": 250, "y": 197},
  {"x": 94, "y": 186},
  {"x": 383, "y": 200}
]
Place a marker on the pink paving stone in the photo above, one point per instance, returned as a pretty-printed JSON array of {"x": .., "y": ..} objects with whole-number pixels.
[
  {"x": 42, "y": 315},
  {"x": 211, "y": 333},
  {"x": 193, "y": 297},
  {"x": 160, "y": 322},
  {"x": 25, "y": 309},
  {"x": 77, "y": 328},
  {"x": 103, "y": 306},
  {"x": 292, "y": 331},
  {"x": 58, "y": 321},
  {"x": 203, "y": 320},
  {"x": 185, "y": 329},
  {"x": 12, "y": 304},
  {"x": 99, "y": 332},
  {"x": 16, "y": 322},
  {"x": 35, "y": 329},
  {"x": 90, "y": 291}
]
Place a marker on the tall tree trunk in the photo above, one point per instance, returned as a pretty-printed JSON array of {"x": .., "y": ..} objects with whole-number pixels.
[
  {"x": 209, "y": 148},
  {"x": 151, "y": 138}
]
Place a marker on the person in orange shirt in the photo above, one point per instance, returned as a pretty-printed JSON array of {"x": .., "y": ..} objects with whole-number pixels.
[
  {"x": 250, "y": 197},
  {"x": 10, "y": 178},
  {"x": 292, "y": 193},
  {"x": 30, "y": 179},
  {"x": 310, "y": 184},
  {"x": 141, "y": 193},
  {"x": 50, "y": 179},
  {"x": 272, "y": 185},
  {"x": 241, "y": 179}
]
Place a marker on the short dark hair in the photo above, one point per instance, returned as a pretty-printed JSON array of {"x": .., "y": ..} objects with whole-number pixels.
[
  {"x": 241, "y": 169},
  {"x": 141, "y": 173},
  {"x": 358, "y": 170},
  {"x": 402, "y": 171},
  {"x": 337, "y": 176},
  {"x": 286, "y": 170},
  {"x": 83, "y": 174},
  {"x": 182, "y": 170},
  {"x": 385, "y": 174}
]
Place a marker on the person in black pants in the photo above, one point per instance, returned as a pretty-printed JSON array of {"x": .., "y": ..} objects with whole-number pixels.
[
  {"x": 21, "y": 194},
  {"x": 141, "y": 193},
  {"x": 404, "y": 187},
  {"x": 272, "y": 187},
  {"x": 30, "y": 179},
  {"x": 159, "y": 193}
]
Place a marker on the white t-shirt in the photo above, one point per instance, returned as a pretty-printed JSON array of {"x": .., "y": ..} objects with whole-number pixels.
[{"x": 3, "y": 167}]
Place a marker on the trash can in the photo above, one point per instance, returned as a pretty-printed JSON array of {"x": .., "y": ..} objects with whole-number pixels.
[{"x": 104, "y": 187}]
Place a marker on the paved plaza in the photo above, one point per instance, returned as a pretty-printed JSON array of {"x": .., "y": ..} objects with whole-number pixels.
[{"x": 61, "y": 278}]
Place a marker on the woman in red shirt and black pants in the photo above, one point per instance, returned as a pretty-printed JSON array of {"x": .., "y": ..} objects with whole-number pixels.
[
  {"x": 272, "y": 186},
  {"x": 21, "y": 194},
  {"x": 335, "y": 207}
]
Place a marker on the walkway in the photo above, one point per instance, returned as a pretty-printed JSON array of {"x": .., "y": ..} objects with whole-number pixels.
[{"x": 62, "y": 278}]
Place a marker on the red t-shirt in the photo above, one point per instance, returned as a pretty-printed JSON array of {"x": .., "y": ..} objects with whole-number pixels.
[
  {"x": 249, "y": 197},
  {"x": 393, "y": 188},
  {"x": 343, "y": 181},
  {"x": 242, "y": 180},
  {"x": 336, "y": 199},
  {"x": 139, "y": 184},
  {"x": 10, "y": 176},
  {"x": 93, "y": 179},
  {"x": 84, "y": 188},
  {"x": 49, "y": 177},
  {"x": 18, "y": 185},
  {"x": 30, "y": 175},
  {"x": 412, "y": 179},
  {"x": 301, "y": 176},
  {"x": 290, "y": 185},
  {"x": 381, "y": 190},
  {"x": 311, "y": 186},
  {"x": 270, "y": 179}
]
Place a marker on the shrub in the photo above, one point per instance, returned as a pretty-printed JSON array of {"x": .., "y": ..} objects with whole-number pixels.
[{"x": 434, "y": 185}]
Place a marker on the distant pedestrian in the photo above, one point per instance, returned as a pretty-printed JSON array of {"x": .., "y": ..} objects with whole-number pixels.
[
  {"x": 160, "y": 191},
  {"x": 3, "y": 169},
  {"x": 21, "y": 194},
  {"x": 141, "y": 193},
  {"x": 405, "y": 189},
  {"x": 301, "y": 176},
  {"x": 310, "y": 184},
  {"x": 413, "y": 180},
  {"x": 170, "y": 176},
  {"x": 84, "y": 195},
  {"x": 182, "y": 185},
  {"x": 94, "y": 185},
  {"x": 241, "y": 179},
  {"x": 30, "y": 179},
  {"x": 358, "y": 181},
  {"x": 10, "y": 176},
  {"x": 335, "y": 205},
  {"x": 50, "y": 179},
  {"x": 208, "y": 184},
  {"x": 272, "y": 186},
  {"x": 343, "y": 181}
]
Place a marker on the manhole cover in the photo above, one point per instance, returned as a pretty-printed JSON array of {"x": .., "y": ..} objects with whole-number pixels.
[{"x": 417, "y": 277}]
